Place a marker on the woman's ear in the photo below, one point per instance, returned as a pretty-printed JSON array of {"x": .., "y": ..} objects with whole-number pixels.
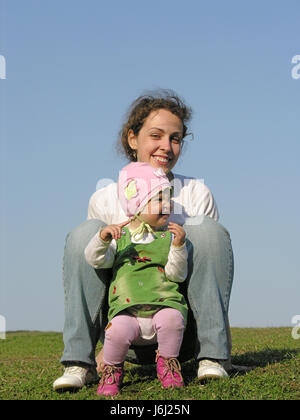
[{"x": 132, "y": 139}]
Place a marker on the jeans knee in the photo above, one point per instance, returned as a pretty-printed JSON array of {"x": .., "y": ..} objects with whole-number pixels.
[
  {"x": 206, "y": 227},
  {"x": 207, "y": 240},
  {"x": 78, "y": 238}
]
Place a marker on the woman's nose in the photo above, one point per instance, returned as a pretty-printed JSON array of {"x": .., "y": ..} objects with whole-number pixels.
[{"x": 166, "y": 144}]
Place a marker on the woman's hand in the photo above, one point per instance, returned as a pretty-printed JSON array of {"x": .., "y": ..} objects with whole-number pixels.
[
  {"x": 112, "y": 231},
  {"x": 178, "y": 232}
]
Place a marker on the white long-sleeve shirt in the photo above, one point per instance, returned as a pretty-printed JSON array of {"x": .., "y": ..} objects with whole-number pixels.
[
  {"x": 191, "y": 198},
  {"x": 100, "y": 254}
]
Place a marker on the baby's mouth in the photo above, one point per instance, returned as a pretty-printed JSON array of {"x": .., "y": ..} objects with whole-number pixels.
[{"x": 164, "y": 215}]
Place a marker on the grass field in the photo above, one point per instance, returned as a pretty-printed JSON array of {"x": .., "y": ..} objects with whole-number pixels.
[{"x": 29, "y": 363}]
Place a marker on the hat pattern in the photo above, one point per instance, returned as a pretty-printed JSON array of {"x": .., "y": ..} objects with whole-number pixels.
[{"x": 139, "y": 182}]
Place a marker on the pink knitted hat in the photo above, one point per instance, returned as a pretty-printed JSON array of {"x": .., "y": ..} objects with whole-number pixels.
[{"x": 138, "y": 183}]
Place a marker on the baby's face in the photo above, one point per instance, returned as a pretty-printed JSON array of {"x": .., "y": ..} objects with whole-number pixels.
[{"x": 158, "y": 209}]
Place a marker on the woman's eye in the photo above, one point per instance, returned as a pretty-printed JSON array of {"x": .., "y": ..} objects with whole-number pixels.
[{"x": 173, "y": 139}]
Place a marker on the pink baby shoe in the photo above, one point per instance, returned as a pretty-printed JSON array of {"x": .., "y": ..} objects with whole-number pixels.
[
  {"x": 111, "y": 380},
  {"x": 169, "y": 372}
]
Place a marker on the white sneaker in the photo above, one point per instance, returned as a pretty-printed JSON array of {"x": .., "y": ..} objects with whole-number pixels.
[
  {"x": 211, "y": 369},
  {"x": 76, "y": 377}
]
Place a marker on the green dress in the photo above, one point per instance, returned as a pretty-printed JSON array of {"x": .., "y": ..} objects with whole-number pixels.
[{"x": 139, "y": 282}]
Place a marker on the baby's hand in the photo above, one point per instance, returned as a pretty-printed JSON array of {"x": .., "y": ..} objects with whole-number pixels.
[
  {"x": 178, "y": 232},
  {"x": 112, "y": 231}
]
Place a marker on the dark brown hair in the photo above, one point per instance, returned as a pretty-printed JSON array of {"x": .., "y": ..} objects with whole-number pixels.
[{"x": 141, "y": 108}]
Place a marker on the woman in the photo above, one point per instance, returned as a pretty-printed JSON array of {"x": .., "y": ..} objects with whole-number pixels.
[{"x": 154, "y": 131}]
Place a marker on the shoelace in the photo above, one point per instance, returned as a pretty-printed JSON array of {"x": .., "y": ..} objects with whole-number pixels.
[
  {"x": 172, "y": 366},
  {"x": 109, "y": 375}
]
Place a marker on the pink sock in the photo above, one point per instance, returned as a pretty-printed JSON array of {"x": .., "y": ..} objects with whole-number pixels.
[{"x": 169, "y": 325}]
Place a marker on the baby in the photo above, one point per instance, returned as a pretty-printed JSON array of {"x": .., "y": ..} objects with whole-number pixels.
[{"x": 145, "y": 305}]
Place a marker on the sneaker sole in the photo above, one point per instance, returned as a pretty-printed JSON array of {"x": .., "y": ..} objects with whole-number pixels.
[
  {"x": 66, "y": 387},
  {"x": 211, "y": 376},
  {"x": 62, "y": 388}
]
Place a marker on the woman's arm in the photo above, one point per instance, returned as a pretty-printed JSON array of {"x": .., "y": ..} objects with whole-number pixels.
[
  {"x": 104, "y": 205},
  {"x": 202, "y": 201}
]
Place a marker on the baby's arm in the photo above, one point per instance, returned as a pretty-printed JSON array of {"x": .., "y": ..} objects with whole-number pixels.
[
  {"x": 101, "y": 250},
  {"x": 100, "y": 254},
  {"x": 176, "y": 268}
]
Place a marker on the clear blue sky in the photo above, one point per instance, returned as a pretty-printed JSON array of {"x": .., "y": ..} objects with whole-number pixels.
[{"x": 74, "y": 66}]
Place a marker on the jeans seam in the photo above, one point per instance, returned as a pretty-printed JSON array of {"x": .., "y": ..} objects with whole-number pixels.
[
  {"x": 94, "y": 319},
  {"x": 229, "y": 274},
  {"x": 63, "y": 268}
]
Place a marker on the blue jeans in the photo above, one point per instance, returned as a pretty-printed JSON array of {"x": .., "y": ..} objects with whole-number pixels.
[{"x": 207, "y": 290}]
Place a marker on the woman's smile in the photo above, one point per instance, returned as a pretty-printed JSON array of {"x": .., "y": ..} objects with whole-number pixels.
[
  {"x": 159, "y": 140},
  {"x": 161, "y": 160}
]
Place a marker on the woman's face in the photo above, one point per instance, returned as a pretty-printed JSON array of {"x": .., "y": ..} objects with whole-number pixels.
[{"x": 159, "y": 140}]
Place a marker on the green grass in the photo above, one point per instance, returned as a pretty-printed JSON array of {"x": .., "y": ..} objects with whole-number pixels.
[{"x": 29, "y": 363}]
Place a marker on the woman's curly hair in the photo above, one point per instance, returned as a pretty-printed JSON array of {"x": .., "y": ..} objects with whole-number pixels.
[{"x": 141, "y": 108}]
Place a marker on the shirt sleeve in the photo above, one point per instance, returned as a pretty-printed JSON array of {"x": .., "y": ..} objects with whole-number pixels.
[
  {"x": 100, "y": 254},
  {"x": 98, "y": 206},
  {"x": 92, "y": 213},
  {"x": 176, "y": 268},
  {"x": 203, "y": 202},
  {"x": 105, "y": 206}
]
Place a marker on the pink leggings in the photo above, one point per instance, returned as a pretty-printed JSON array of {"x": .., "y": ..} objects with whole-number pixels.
[{"x": 168, "y": 323}]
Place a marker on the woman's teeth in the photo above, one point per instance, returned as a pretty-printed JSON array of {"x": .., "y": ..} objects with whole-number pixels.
[{"x": 161, "y": 159}]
